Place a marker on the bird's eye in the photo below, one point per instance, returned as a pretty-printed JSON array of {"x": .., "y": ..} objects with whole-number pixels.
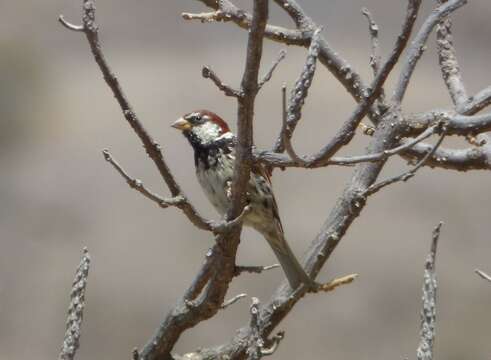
[{"x": 197, "y": 118}]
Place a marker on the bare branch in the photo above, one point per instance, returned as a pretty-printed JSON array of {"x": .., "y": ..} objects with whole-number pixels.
[
  {"x": 408, "y": 174},
  {"x": 449, "y": 65},
  {"x": 271, "y": 70},
  {"x": 373, "y": 29},
  {"x": 347, "y": 131},
  {"x": 227, "y": 90},
  {"x": 227, "y": 11},
  {"x": 153, "y": 149},
  {"x": 299, "y": 93},
  {"x": 209, "y": 288},
  {"x": 428, "y": 312},
  {"x": 456, "y": 124},
  {"x": 71, "y": 341},
  {"x": 476, "y": 103},
  {"x": 249, "y": 89},
  {"x": 279, "y": 160},
  {"x": 178, "y": 201},
  {"x": 418, "y": 46},
  {"x": 483, "y": 275},
  {"x": 474, "y": 158},
  {"x": 138, "y": 185}
]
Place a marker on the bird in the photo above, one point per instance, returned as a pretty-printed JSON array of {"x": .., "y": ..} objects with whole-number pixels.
[{"x": 214, "y": 158}]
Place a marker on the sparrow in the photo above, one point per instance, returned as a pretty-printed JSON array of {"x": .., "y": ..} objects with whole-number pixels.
[{"x": 214, "y": 157}]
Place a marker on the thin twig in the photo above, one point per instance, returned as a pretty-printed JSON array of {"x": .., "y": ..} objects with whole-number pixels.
[
  {"x": 408, "y": 174},
  {"x": 239, "y": 269},
  {"x": 335, "y": 283},
  {"x": 227, "y": 90},
  {"x": 226, "y": 11},
  {"x": 483, "y": 275},
  {"x": 477, "y": 102},
  {"x": 428, "y": 312},
  {"x": 449, "y": 65},
  {"x": 249, "y": 89},
  {"x": 418, "y": 46},
  {"x": 294, "y": 160},
  {"x": 153, "y": 149},
  {"x": 373, "y": 29},
  {"x": 71, "y": 341},
  {"x": 138, "y": 186},
  {"x": 69, "y": 25},
  {"x": 347, "y": 131},
  {"x": 233, "y": 300},
  {"x": 271, "y": 70},
  {"x": 299, "y": 93}
]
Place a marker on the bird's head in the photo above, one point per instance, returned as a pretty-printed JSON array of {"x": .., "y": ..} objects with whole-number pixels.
[{"x": 202, "y": 126}]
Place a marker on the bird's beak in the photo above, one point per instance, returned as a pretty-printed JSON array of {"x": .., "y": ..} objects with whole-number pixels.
[{"x": 181, "y": 124}]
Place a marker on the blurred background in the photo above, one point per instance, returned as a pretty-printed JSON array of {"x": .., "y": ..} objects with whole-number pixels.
[{"x": 58, "y": 195}]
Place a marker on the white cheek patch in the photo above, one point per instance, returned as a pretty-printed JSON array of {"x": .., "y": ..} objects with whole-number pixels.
[{"x": 207, "y": 132}]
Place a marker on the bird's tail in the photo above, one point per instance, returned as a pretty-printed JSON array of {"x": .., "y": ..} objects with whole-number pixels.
[{"x": 294, "y": 272}]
